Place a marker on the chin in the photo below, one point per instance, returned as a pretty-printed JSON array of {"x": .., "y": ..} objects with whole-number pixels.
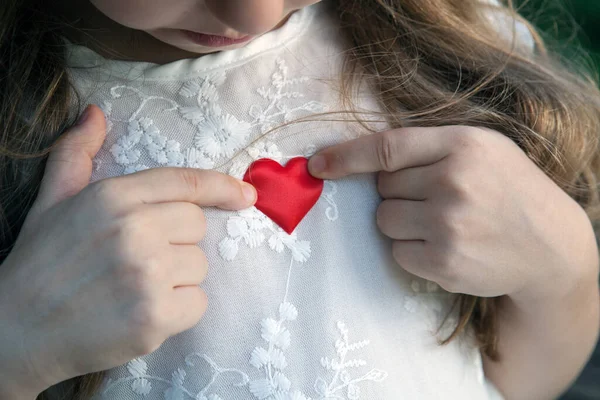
[{"x": 174, "y": 40}]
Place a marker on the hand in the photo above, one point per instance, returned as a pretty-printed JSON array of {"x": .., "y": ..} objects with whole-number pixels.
[
  {"x": 469, "y": 210},
  {"x": 103, "y": 273}
]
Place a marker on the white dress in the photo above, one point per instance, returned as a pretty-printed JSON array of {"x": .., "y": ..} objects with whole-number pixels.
[{"x": 323, "y": 313}]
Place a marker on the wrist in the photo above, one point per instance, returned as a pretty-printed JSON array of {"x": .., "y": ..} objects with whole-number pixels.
[
  {"x": 573, "y": 269},
  {"x": 20, "y": 376},
  {"x": 17, "y": 381}
]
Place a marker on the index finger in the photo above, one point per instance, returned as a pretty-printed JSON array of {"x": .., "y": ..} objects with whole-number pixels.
[
  {"x": 385, "y": 151},
  {"x": 202, "y": 187}
]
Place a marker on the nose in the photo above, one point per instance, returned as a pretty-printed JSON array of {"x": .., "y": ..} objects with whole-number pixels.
[{"x": 248, "y": 16}]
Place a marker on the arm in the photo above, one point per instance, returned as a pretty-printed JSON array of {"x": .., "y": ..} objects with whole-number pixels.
[
  {"x": 547, "y": 336},
  {"x": 484, "y": 220}
]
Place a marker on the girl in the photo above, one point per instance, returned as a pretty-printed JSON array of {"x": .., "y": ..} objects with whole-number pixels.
[{"x": 488, "y": 152}]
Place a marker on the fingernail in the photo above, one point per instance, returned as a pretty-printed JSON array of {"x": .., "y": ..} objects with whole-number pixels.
[
  {"x": 84, "y": 116},
  {"x": 249, "y": 192},
  {"x": 317, "y": 164}
]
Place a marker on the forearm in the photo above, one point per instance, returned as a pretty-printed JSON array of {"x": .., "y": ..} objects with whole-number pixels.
[{"x": 544, "y": 343}]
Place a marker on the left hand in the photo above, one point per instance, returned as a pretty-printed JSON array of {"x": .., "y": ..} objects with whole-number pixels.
[{"x": 469, "y": 210}]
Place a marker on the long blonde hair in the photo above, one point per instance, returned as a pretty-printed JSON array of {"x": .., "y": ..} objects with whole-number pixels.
[{"x": 430, "y": 63}]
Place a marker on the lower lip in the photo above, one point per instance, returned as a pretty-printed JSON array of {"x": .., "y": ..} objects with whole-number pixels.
[{"x": 213, "y": 40}]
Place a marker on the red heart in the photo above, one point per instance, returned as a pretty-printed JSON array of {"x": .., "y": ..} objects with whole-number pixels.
[{"x": 285, "y": 194}]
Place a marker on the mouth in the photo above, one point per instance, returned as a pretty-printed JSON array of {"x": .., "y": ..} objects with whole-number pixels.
[{"x": 207, "y": 40}]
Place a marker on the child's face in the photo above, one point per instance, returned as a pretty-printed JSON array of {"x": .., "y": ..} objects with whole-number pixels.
[{"x": 201, "y": 26}]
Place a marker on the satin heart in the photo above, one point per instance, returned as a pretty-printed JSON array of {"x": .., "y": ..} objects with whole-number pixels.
[{"x": 285, "y": 194}]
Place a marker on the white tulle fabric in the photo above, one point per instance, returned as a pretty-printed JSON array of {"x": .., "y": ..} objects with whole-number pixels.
[{"x": 324, "y": 313}]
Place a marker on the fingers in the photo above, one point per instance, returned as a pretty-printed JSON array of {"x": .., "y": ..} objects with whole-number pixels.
[
  {"x": 187, "y": 300},
  {"x": 409, "y": 184},
  {"x": 403, "y": 219},
  {"x": 386, "y": 151},
  {"x": 188, "y": 305},
  {"x": 166, "y": 295},
  {"x": 188, "y": 266},
  {"x": 69, "y": 166},
  {"x": 414, "y": 257},
  {"x": 201, "y": 187},
  {"x": 179, "y": 222}
]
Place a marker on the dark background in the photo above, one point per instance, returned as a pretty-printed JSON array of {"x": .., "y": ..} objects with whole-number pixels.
[{"x": 572, "y": 27}]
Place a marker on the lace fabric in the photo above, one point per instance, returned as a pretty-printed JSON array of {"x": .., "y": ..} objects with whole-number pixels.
[{"x": 322, "y": 313}]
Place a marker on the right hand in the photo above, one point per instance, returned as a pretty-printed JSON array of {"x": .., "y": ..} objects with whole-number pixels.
[{"x": 102, "y": 273}]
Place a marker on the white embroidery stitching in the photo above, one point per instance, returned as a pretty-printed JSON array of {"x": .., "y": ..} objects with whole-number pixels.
[
  {"x": 260, "y": 149},
  {"x": 275, "y": 385},
  {"x": 142, "y": 131},
  {"x": 342, "y": 378},
  {"x": 276, "y": 111},
  {"x": 331, "y": 212},
  {"x": 141, "y": 381},
  {"x": 220, "y": 135},
  {"x": 249, "y": 225}
]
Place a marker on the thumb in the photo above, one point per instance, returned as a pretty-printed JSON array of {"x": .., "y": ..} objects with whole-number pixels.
[{"x": 69, "y": 165}]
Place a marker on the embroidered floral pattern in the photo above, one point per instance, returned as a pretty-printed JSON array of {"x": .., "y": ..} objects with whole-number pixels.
[
  {"x": 264, "y": 149},
  {"x": 141, "y": 381},
  {"x": 195, "y": 159},
  {"x": 271, "y": 361},
  {"x": 143, "y": 134},
  {"x": 276, "y": 111},
  {"x": 248, "y": 226},
  {"x": 143, "y": 131},
  {"x": 341, "y": 366},
  {"x": 261, "y": 149},
  {"x": 275, "y": 385},
  {"x": 219, "y": 135},
  {"x": 331, "y": 212}
]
